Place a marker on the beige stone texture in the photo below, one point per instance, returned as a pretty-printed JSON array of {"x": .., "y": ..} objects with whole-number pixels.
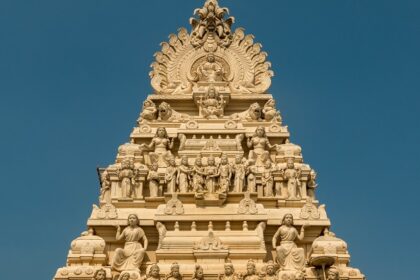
[{"x": 209, "y": 185}]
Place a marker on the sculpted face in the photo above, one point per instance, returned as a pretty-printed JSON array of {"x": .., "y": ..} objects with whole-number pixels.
[
  {"x": 132, "y": 220},
  {"x": 210, "y": 161},
  {"x": 154, "y": 271},
  {"x": 224, "y": 160},
  {"x": 175, "y": 271},
  {"x": 332, "y": 275},
  {"x": 161, "y": 132},
  {"x": 210, "y": 58},
  {"x": 288, "y": 220},
  {"x": 172, "y": 162},
  {"x": 154, "y": 167},
  {"x": 250, "y": 269},
  {"x": 238, "y": 159},
  {"x": 270, "y": 270},
  {"x": 100, "y": 275},
  {"x": 198, "y": 162},
  {"x": 126, "y": 276},
  {"x": 199, "y": 274},
  {"x": 268, "y": 164},
  {"x": 228, "y": 270},
  {"x": 290, "y": 164},
  {"x": 184, "y": 161},
  {"x": 260, "y": 131}
]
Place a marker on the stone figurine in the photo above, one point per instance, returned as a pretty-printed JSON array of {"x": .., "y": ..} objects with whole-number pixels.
[
  {"x": 175, "y": 273},
  {"x": 212, "y": 105},
  {"x": 105, "y": 187},
  {"x": 259, "y": 146},
  {"x": 251, "y": 271},
  {"x": 212, "y": 175},
  {"x": 225, "y": 174},
  {"x": 270, "y": 112},
  {"x": 229, "y": 273},
  {"x": 124, "y": 276},
  {"x": 289, "y": 256},
  {"x": 292, "y": 178},
  {"x": 211, "y": 71},
  {"x": 198, "y": 176},
  {"x": 153, "y": 178},
  {"x": 127, "y": 176},
  {"x": 161, "y": 145},
  {"x": 154, "y": 272},
  {"x": 312, "y": 185},
  {"x": 170, "y": 176},
  {"x": 198, "y": 273},
  {"x": 270, "y": 271},
  {"x": 267, "y": 180},
  {"x": 100, "y": 274},
  {"x": 149, "y": 111},
  {"x": 131, "y": 256},
  {"x": 251, "y": 179},
  {"x": 183, "y": 175},
  {"x": 239, "y": 170}
]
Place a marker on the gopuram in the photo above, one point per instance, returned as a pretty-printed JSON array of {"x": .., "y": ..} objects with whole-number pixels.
[{"x": 209, "y": 185}]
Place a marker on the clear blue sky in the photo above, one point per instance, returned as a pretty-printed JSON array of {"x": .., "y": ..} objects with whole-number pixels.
[{"x": 73, "y": 75}]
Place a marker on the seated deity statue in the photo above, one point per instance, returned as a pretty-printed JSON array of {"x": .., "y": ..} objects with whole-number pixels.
[
  {"x": 239, "y": 170},
  {"x": 312, "y": 185},
  {"x": 270, "y": 112},
  {"x": 267, "y": 180},
  {"x": 153, "y": 178},
  {"x": 225, "y": 174},
  {"x": 292, "y": 178},
  {"x": 251, "y": 271},
  {"x": 127, "y": 176},
  {"x": 161, "y": 146},
  {"x": 259, "y": 146},
  {"x": 289, "y": 256},
  {"x": 131, "y": 256},
  {"x": 174, "y": 274},
  {"x": 183, "y": 175},
  {"x": 154, "y": 272},
  {"x": 270, "y": 271},
  {"x": 198, "y": 273},
  {"x": 100, "y": 274},
  {"x": 211, "y": 71},
  {"x": 212, "y": 175},
  {"x": 170, "y": 176},
  {"x": 198, "y": 176},
  {"x": 229, "y": 272},
  {"x": 149, "y": 112},
  {"x": 212, "y": 105}
]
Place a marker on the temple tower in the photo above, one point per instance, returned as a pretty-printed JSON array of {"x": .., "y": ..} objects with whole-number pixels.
[{"x": 209, "y": 186}]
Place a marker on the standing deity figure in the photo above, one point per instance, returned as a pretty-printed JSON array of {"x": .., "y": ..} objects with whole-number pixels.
[
  {"x": 251, "y": 271},
  {"x": 269, "y": 111},
  {"x": 239, "y": 169},
  {"x": 225, "y": 174},
  {"x": 198, "y": 176},
  {"x": 100, "y": 274},
  {"x": 127, "y": 176},
  {"x": 267, "y": 180},
  {"x": 291, "y": 176},
  {"x": 149, "y": 111},
  {"x": 170, "y": 176},
  {"x": 183, "y": 175},
  {"x": 259, "y": 146},
  {"x": 131, "y": 256},
  {"x": 212, "y": 105},
  {"x": 174, "y": 274},
  {"x": 154, "y": 272},
  {"x": 312, "y": 184},
  {"x": 211, "y": 71},
  {"x": 105, "y": 187},
  {"x": 229, "y": 272},
  {"x": 153, "y": 178},
  {"x": 161, "y": 146},
  {"x": 270, "y": 271},
  {"x": 289, "y": 256},
  {"x": 251, "y": 179},
  {"x": 212, "y": 174},
  {"x": 198, "y": 273}
]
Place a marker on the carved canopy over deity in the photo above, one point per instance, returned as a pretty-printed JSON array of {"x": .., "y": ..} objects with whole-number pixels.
[{"x": 211, "y": 53}]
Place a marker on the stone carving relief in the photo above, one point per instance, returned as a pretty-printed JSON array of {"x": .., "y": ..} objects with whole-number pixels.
[
  {"x": 131, "y": 256},
  {"x": 312, "y": 185},
  {"x": 174, "y": 206},
  {"x": 259, "y": 146},
  {"x": 167, "y": 113},
  {"x": 270, "y": 112},
  {"x": 100, "y": 274},
  {"x": 162, "y": 233},
  {"x": 171, "y": 176},
  {"x": 153, "y": 178},
  {"x": 160, "y": 147},
  {"x": 106, "y": 211},
  {"x": 292, "y": 178},
  {"x": 247, "y": 205},
  {"x": 253, "y": 113},
  {"x": 210, "y": 242},
  {"x": 251, "y": 271},
  {"x": 154, "y": 272},
  {"x": 105, "y": 195},
  {"x": 88, "y": 249},
  {"x": 175, "y": 274},
  {"x": 267, "y": 180},
  {"x": 149, "y": 111},
  {"x": 289, "y": 256},
  {"x": 229, "y": 272},
  {"x": 198, "y": 273},
  {"x": 127, "y": 175},
  {"x": 183, "y": 175},
  {"x": 212, "y": 104},
  {"x": 309, "y": 211},
  {"x": 239, "y": 170},
  {"x": 269, "y": 271}
]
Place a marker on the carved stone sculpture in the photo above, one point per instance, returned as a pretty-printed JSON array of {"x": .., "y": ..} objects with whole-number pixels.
[
  {"x": 170, "y": 176},
  {"x": 131, "y": 256},
  {"x": 270, "y": 271},
  {"x": 198, "y": 273},
  {"x": 154, "y": 272},
  {"x": 251, "y": 271},
  {"x": 229, "y": 273},
  {"x": 153, "y": 179},
  {"x": 161, "y": 146},
  {"x": 124, "y": 276},
  {"x": 212, "y": 175},
  {"x": 239, "y": 169},
  {"x": 175, "y": 273},
  {"x": 292, "y": 178},
  {"x": 267, "y": 180},
  {"x": 198, "y": 176},
  {"x": 312, "y": 185},
  {"x": 183, "y": 175},
  {"x": 259, "y": 146},
  {"x": 105, "y": 187},
  {"x": 210, "y": 70},
  {"x": 212, "y": 104},
  {"x": 210, "y": 242},
  {"x": 247, "y": 205},
  {"x": 162, "y": 233},
  {"x": 333, "y": 274},
  {"x": 251, "y": 179},
  {"x": 88, "y": 249},
  {"x": 149, "y": 112},
  {"x": 270, "y": 112},
  {"x": 127, "y": 175},
  {"x": 253, "y": 113},
  {"x": 225, "y": 174},
  {"x": 174, "y": 206},
  {"x": 309, "y": 210},
  {"x": 167, "y": 113},
  {"x": 289, "y": 256},
  {"x": 100, "y": 274}
]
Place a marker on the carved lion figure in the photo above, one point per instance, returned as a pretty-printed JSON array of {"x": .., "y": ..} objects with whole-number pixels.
[
  {"x": 166, "y": 113},
  {"x": 253, "y": 113}
]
